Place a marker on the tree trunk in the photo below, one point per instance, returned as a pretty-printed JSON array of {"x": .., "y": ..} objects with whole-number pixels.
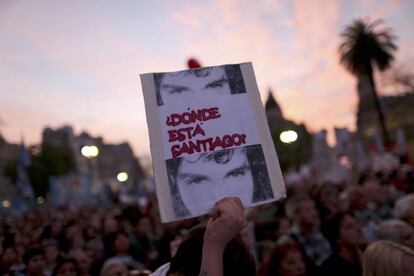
[
  {"x": 381, "y": 116},
  {"x": 369, "y": 109}
]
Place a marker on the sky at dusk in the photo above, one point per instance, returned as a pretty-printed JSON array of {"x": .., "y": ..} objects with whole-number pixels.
[{"x": 78, "y": 62}]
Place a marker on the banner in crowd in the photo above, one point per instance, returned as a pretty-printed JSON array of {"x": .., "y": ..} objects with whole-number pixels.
[
  {"x": 209, "y": 139},
  {"x": 70, "y": 190}
]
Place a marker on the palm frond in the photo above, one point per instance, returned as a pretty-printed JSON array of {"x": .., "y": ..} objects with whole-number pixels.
[{"x": 363, "y": 46}]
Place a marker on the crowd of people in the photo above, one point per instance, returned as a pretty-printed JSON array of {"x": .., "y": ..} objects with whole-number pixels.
[{"x": 362, "y": 227}]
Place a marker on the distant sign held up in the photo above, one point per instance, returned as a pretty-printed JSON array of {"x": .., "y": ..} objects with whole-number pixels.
[{"x": 209, "y": 139}]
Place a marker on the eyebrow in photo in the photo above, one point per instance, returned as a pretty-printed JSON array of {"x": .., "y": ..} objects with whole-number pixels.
[
  {"x": 173, "y": 88},
  {"x": 241, "y": 170}
]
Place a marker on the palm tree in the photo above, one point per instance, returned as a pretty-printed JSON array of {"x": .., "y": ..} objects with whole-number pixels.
[{"x": 363, "y": 49}]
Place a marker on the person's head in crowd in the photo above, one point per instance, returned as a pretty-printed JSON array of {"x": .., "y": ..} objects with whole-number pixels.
[
  {"x": 51, "y": 249},
  {"x": 397, "y": 231},
  {"x": 66, "y": 267},
  {"x": 83, "y": 260},
  {"x": 302, "y": 211},
  {"x": 118, "y": 244},
  {"x": 344, "y": 233},
  {"x": 93, "y": 228},
  {"x": 282, "y": 226},
  {"x": 404, "y": 209},
  {"x": 51, "y": 252},
  {"x": 72, "y": 236},
  {"x": 376, "y": 193},
  {"x": 273, "y": 229},
  {"x": 385, "y": 258},
  {"x": 56, "y": 228},
  {"x": 326, "y": 197},
  {"x": 237, "y": 259},
  {"x": 201, "y": 82},
  {"x": 285, "y": 259},
  {"x": 355, "y": 199},
  {"x": 35, "y": 261},
  {"x": 403, "y": 179},
  {"x": 20, "y": 242},
  {"x": 239, "y": 172},
  {"x": 95, "y": 250},
  {"x": 110, "y": 224},
  {"x": 114, "y": 268},
  {"x": 8, "y": 258},
  {"x": 71, "y": 230},
  {"x": 143, "y": 226}
]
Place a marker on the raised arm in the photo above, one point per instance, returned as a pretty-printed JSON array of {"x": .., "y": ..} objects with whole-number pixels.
[{"x": 226, "y": 222}]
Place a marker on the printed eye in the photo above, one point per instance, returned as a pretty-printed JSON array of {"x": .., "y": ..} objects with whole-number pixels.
[
  {"x": 238, "y": 172},
  {"x": 196, "y": 180},
  {"x": 217, "y": 84},
  {"x": 177, "y": 90}
]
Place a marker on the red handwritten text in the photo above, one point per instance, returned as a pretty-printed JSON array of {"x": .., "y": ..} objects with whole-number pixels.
[
  {"x": 192, "y": 116},
  {"x": 208, "y": 145},
  {"x": 184, "y": 133}
]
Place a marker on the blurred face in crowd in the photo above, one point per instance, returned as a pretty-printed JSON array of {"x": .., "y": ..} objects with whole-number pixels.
[
  {"x": 67, "y": 269},
  {"x": 51, "y": 253},
  {"x": 351, "y": 233},
  {"x": 121, "y": 244},
  {"x": 8, "y": 258},
  {"x": 376, "y": 192},
  {"x": 94, "y": 251},
  {"x": 283, "y": 227},
  {"x": 408, "y": 265},
  {"x": 110, "y": 225},
  {"x": 308, "y": 215},
  {"x": 78, "y": 241},
  {"x": 209, "y": 82},
  {"x": 72, "y": 232},
  {"x": 57, "y": 228},
  {"x": 357, "y": 200},
  {"x": 330, "y": 199},
  {"x": 406, "y": 234},
  {"x": 292, "y": 264},
  {"x": 83, "y": 261},
  {"x": 36, "y": 265},
  {"x": 143, "y": 226},
  {"x": 117, "y": 269},
  {"x": 214, "y": 177}
]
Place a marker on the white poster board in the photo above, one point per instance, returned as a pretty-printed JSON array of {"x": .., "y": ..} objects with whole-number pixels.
[{"x": 209, "y": 139}]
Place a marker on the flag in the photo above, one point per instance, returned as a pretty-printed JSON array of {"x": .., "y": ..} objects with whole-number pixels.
[
  {"x": 23, "y": 182},
  {"x": 343, "y": 142}
]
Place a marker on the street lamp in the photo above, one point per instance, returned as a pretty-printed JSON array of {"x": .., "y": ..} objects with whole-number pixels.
[
  {"x": 288, "y": 136},
  {"x": 122, "y": 176},
  {"x": 90, "y": 151},
  {"x": 6, "y": 203},
  {"x": 40, "y": 200}
]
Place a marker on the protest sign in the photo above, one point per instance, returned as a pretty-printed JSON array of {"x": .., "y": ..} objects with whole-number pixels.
[{"x": 209, "y": 139}]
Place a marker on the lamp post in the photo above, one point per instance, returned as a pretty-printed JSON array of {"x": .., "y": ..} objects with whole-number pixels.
[
  {"x": 289, "y": 137},
  {"x": 6, "y": 203},
  {"x": 90, "y": 152},
  {"x": 122, "y": 176}
]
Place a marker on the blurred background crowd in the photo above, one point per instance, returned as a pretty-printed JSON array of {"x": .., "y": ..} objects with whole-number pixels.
[{"x": 318, "y": 229}]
